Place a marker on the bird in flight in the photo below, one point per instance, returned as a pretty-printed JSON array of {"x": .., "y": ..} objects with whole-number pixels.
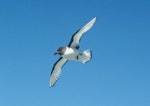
[{"x": 71, "y": 52}]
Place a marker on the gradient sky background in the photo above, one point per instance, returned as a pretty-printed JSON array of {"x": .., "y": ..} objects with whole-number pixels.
[{"x": 118, "y": 75}]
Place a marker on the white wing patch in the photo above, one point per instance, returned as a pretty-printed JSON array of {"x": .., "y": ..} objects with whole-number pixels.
[
  {"x": 56, "y": 71},
  {"x": 74, "y": 43}
]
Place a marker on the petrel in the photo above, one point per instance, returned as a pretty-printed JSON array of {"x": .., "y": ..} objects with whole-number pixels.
[{"x": 71, "y": 52}]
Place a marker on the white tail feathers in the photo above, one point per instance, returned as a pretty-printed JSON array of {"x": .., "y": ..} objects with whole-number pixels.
[{"x": 86, "y": 56}]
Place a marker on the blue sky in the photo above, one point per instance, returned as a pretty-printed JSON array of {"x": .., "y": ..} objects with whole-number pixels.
[{"x": 118, "y": 75}]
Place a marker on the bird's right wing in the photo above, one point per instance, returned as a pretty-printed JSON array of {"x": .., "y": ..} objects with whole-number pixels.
[
  {"x": 56, "y": 71},
  {"x": 74, "y": 43}
]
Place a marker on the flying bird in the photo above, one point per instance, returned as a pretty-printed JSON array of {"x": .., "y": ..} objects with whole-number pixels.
[{"x": 71, "y": 52}]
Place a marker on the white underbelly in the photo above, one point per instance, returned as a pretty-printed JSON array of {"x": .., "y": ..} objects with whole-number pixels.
[
  {"x": 74, "y": 54},
  {"x": 71, "y": 54}
]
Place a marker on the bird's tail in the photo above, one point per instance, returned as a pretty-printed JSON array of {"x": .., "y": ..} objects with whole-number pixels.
[{"x": 86, "y": 56}]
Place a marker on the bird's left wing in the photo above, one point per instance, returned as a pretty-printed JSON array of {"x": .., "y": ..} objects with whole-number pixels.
[
  {"x": 74, "y": 43},
  {"x": 56, "y": 71}
]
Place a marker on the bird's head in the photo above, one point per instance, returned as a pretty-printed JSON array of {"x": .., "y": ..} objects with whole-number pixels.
[{"x": 60, "y": 51}]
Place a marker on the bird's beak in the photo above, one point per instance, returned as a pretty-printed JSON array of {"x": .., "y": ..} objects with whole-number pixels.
[{"x": 55, "y": 53}]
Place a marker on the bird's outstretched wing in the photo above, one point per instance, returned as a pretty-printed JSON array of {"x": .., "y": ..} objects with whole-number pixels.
[
  {"x": 56, "y": 71},
  {"x": 74, "y": 43}
]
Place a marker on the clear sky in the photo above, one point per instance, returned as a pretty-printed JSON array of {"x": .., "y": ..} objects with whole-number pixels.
[{"x": 118, "y": 75}]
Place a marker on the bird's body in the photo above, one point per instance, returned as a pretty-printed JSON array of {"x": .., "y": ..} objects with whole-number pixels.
[
  {"x": 71, "y": 52},
  {"x": 75, "y": 54}
]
